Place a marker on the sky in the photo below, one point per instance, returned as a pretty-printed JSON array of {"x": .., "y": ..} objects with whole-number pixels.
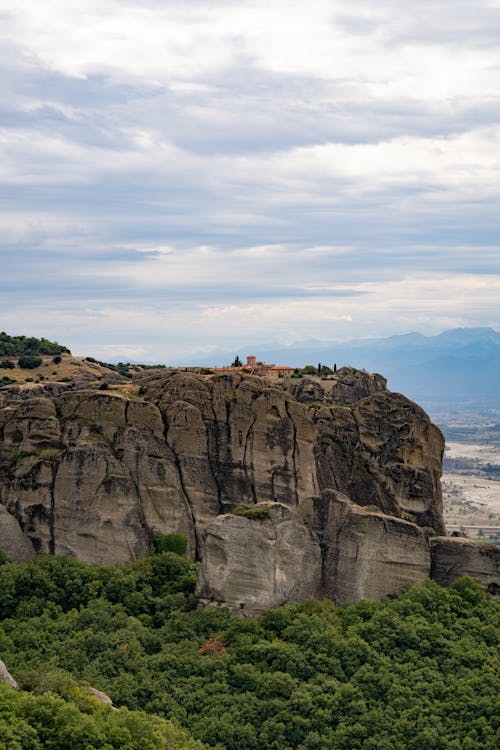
[{"x": 180, "y": 176}]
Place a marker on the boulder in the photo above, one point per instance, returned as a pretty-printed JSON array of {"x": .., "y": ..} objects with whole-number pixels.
[
  {"x": 453, "y": 557},
  {"x": 253, "y": 563},
  {"x": 6, "y": 677},
  {"x": 346, "y": 386},
  {"x": 99, "y": 696},
  {"x": 13, "y": 542}
]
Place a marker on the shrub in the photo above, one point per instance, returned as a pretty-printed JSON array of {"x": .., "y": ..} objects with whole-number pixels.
[
  {"x": 429, "y": 530},
  {"x": 408, "y": 517},
  {"x": 56, "y": 359},
  {"x": 27, "y": 362},
  {"x": 17, "y": 454},
  {"x": 7, "y": 364},
  {"x": 246, "y": 512},
  {"x": 170, "y": 543}
]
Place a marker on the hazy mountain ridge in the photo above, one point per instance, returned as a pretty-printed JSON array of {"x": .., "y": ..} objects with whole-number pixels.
[{"x": 458, "y": 367}]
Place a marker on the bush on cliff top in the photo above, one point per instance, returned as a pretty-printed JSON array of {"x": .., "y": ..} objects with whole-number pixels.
[
  {"x": 27, "y": 362},
  {"x": 247, "y": 511},
  {"x": 19, "y": 345}
]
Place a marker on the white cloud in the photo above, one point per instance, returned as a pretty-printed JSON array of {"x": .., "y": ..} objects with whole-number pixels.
[
  {"x": 465, "y": 164},
  {"x": 268, "y": 269},
  {"x": 380, "y": 50},
  {"x": 459, "y": 163},
  {"x": 111, "y": 352},
  {"x": 166, "y": 42},
  {"x": 207, "y": 170},
  {"x": 168, "y": 330}
]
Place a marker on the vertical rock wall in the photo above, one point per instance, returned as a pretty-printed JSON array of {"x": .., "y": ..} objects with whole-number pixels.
[{"x": 350, "y": 470}]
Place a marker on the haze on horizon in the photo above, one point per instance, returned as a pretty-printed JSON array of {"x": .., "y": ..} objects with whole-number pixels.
[{"x": 180, "y": 177}]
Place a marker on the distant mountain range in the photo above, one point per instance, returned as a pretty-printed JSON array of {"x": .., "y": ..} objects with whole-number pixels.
[{"x": 456, "y": 369}]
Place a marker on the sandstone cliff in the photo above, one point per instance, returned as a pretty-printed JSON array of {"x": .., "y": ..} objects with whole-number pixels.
[{"x": 348, "y": 473}]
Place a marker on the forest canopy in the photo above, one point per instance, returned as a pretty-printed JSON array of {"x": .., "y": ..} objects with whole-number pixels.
[{"x": 420, "y": 671}]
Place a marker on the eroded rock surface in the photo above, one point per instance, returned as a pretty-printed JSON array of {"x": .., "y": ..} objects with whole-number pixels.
[
  {"x": 13, "y": 543},
  {"x": 366, "y": 554},
  {"x": 99, "y": 695},
  {"x": 383, "y": 451},
  {"x": 6, "y": 677},
  {"x": 346, "y": 386},
  {"x": 253, "y": 564},
  {"x": 92, "y": 472},
  {"x": 453, "y": 557}
]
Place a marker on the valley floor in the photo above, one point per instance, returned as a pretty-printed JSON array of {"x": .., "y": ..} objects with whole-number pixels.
[{"x": 471, "y": 491}]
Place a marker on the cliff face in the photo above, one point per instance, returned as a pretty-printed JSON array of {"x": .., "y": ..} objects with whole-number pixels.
[{"x": 347, "y": 472}]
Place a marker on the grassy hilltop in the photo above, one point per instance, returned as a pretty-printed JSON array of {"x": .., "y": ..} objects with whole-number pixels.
[{"x": 29, "y": 361}]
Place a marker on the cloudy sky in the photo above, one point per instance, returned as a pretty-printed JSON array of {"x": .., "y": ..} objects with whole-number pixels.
[{"x": 178, "y": 176}]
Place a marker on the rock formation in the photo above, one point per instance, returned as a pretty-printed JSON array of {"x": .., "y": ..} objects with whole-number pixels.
[
  {"x": 452, "y": 558},
  {"x": 254, "y": 562},
  {"x": 342, "y": 475},
  {"x": 13, "y": 543},
  {"x": 6, "y": 677},
  {"x": 99, "y": 696}
]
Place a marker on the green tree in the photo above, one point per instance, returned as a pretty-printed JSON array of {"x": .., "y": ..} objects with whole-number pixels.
[
  {"x": 170, "y": 543},
  {"x": 28, "y": 362},
  {"x": 419, "y": 670}
]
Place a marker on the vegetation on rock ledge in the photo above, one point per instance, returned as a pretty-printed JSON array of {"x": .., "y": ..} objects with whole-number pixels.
[{"x": 246, "y": 511}]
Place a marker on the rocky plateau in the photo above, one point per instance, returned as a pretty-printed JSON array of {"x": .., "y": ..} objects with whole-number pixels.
[{"x": 284, "y": 488}]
